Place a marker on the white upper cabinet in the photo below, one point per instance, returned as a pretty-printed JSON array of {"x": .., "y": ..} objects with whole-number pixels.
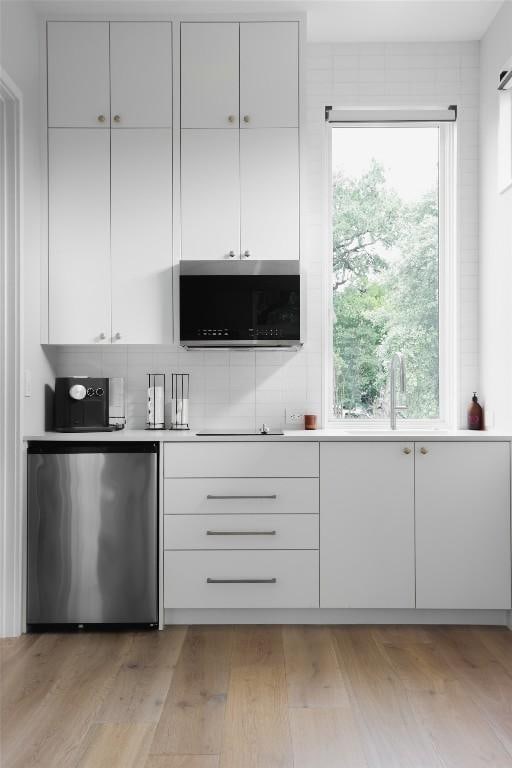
[
  {"x": 141, "y": 247},
  {"x": 110, "y": 191},
  {"x": 463, "y": 525},
  {"x": 367, "y": 525},
  {"x": 269, "y": 74},
  {"x": 141, "y": 74},
  {"x": 240, "y": 194},
  {"x": 269, "y": 193},
  {"x": 209, "y": 75},
  {"x": 210, "y": 194},
  {"x": 79, "y": 234},
  {"x": 78, "y": 74}
]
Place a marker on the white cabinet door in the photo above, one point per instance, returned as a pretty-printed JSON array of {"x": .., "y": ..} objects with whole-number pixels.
[
  {"x": 141, "y": 244},
  {"x": 210, "y": 199},
  {"x": 269, "y": 74},
  {"x": 269, "y": 189},
  {"x": 141, "y": 74},
  {"x": 78, "y": 74},
  {"x": 463, "y": 525},
  {"x": 79, "y": 234},
  {"x": 366, "y": 525},
  {"x": 209, "y": 75}
]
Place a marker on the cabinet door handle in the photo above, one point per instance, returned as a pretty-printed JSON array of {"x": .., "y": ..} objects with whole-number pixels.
[
  {"x": 231, "y": 254},
  {"x": 241, "y": 533},
  {"x": 246, "y": 254},
  {"x": 241, "y": 581},
  {"x": 102, "y": 336},
  {"x": 117, "y": 336},
  {"x": 231, "y": 118},
  {"x": 117, "y": 118},
  {"x": 101, "y": 118},
  {"x": 406, "y": 450},
  {"x": 271, "y": 496},
  {"x": 246, "y": 118},
  {"x": 423, "y": 450}
]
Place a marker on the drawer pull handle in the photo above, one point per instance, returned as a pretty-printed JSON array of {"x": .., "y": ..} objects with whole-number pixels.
[
  {"x": 241, "y": 581},
  {"x": 271, "y": 496},
  {"x": 241, "y": 533}
]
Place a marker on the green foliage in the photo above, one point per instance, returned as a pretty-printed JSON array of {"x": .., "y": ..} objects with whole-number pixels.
[
  {"x": 385, "y": 263},
  {"x": 358, "y": 333},
  {"x": 366, "y": 218}
]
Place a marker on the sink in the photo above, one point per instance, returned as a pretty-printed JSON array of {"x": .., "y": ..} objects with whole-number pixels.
[
  {"x": 237, "y": 432},
  {"x": 399, "y": 433}
]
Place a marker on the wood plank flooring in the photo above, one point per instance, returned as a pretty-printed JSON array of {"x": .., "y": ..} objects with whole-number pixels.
[{"x": 259, "y": 697}]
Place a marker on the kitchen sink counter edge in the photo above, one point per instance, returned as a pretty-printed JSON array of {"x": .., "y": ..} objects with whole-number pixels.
[{"x": 318, "y": 435}]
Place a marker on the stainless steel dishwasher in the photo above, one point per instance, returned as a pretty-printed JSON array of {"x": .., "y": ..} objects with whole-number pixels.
[{"x": 92, "y": 533}]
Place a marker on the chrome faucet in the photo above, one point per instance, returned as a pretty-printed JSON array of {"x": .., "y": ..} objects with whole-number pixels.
[{"x": 396, "y": 360}]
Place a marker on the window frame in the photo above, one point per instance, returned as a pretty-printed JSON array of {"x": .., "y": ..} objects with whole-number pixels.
[{"x": 448, "y": 298}]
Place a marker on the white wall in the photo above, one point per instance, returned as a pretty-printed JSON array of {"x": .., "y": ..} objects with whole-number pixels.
[
  {"x": 495, "y": 233},
  {"x": 20, "y": 57},
  {"x": 246, "y": 388}
]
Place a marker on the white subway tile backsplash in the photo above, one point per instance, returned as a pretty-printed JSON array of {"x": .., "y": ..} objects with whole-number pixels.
[{"x": 243, "y": 389}]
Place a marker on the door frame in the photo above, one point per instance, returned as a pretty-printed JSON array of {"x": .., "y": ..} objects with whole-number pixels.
[{"x": 11, "y": 249}]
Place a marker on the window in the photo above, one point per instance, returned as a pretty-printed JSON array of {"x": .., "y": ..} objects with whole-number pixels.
[{"x": 388, "y": 268}]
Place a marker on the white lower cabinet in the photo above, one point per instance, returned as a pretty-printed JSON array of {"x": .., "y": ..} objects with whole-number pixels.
[
  {"x": 241, "y": 532},
  {"x": 241, "y": 525},
  {"x": 244, "y": 460},
  {"x": 402, "y": 525},
  {"x": 241, "y": 496},
  {"x": 367, "y": 525},
  {"x": 241, "y": 579},
  {"x": 463, "y": 525}
]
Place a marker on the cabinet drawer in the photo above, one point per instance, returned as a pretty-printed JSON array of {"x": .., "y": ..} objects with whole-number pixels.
[
  {"x": 241, "y": 579},
  {"x": 241, "y": 496},
  {"x": 241, "y": 460},
  {"x": 241, "y": 532}
]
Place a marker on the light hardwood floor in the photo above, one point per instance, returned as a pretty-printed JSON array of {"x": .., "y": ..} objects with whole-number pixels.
[{"x": 259, "y": 697}]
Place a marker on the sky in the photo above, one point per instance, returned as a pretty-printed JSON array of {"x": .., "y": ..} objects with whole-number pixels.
[{"x": 408, "y": 154}]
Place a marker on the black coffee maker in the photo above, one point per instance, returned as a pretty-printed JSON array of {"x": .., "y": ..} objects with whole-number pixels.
[{"x": 81, "y": 404}]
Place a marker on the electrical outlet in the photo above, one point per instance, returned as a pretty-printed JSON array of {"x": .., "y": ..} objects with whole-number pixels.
[{"x": 293, "y": 418}]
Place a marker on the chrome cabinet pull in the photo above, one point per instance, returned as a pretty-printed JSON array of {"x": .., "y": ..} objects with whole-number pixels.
[
  {"x": 423, "y": 450},
  {"x": 231, "y": 118},
  {"x": 102, "y": 336},
  {"x": 406, "y": 450},
  {"x": 241, "y": 533},
  {"x": 271, "y": 496},
  {"x": 246, "y": 118},
  {"x": 117, "y": 118},
  {"x": 231, "y": 254},
  {"x": 246, "y": 255},
  {"x": 101, "y": 118},
  {"x": 241, "y": 581}
]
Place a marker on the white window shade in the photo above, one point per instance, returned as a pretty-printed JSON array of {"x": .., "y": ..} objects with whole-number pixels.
[{"x": 391, "y": 114}]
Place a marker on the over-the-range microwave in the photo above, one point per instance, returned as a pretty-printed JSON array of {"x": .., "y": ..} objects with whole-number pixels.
[{"x": 244, "y": 304}]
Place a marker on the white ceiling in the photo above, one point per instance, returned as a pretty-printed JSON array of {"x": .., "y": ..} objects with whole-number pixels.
[{"x": 328, "y": 20}]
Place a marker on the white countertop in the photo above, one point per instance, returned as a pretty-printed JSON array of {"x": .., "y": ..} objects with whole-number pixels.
[{"x": 318, "y": 435}]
